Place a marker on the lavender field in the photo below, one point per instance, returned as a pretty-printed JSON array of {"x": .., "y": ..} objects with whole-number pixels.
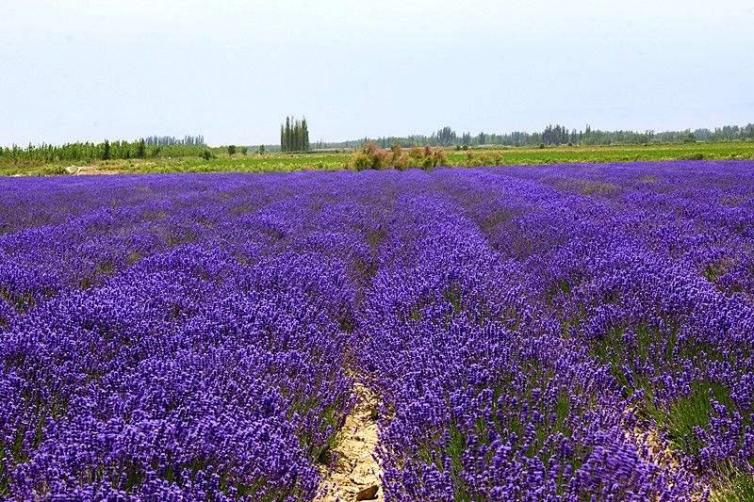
[{"x": 571, "y": 332}]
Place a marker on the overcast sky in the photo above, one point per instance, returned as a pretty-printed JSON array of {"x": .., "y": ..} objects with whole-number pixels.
[{"x": 232, "y": 69}]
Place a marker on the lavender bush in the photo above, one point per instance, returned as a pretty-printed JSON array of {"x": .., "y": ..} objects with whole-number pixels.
[{"x": 549, "y": 333}]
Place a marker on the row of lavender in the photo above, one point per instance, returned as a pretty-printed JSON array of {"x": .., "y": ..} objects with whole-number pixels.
[
  {"x": 537, "y": 333},
  {"x": 568, "y": 332},
  {"x": 173, "y": 337}
]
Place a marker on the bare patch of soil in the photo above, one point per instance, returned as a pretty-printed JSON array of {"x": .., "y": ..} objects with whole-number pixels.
[
  {"x": 89, "y": 170},
  {"x": 353, "y": 471},
  {"x": 657, "y": 450}
]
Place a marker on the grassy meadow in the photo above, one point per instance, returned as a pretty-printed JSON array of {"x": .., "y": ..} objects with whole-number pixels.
[{"x": 342, "y": 159}]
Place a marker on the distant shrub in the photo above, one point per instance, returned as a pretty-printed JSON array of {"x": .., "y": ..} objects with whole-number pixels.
[
  {"x": 231, "y": 150},
  {"x": 541, "y": 145},
  {"x": 427, "y": 158},
  {"x": 401, "y": 162},
  {"x": 360, "y": 161},
  {"x": 396, "y": 151},
  {"x": 440, "y": 158},
  {"x": 371, "y": 156},
  {"x": 244, "y": 150},
  {"x": 260, "y": 151},
  {"x": 484, "y": 159},
  {"x": 379, "y": 156},
  {"x": 207, "y": 155},
  {"x": 398, "y": 159},
  {"x": 415, "y": 154},
  {"x": 433, "y": 157}
]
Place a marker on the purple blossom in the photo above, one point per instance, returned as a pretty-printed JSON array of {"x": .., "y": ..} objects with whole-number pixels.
[{"x": 527, "y": 329}]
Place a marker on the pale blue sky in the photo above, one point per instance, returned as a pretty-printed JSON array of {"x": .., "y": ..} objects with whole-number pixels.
[{"x": 231, "y": 70}]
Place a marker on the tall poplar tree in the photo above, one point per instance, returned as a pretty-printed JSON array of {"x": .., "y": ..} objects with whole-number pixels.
[
  {"x": 305, "y": 135},
  {"x": 287, "y": 134},
  {"x": 294, "y": 135}
]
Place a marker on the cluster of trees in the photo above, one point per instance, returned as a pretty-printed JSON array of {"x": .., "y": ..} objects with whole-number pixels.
[
  {"x": 232, "y": 150},
  {"x": 149, "y": 147},
  {"x": 87, "y": 151},
  {"x": 172, "y": 140},
  {"x": 294, "y": 135},
  {"x": 555, "y": 135}
]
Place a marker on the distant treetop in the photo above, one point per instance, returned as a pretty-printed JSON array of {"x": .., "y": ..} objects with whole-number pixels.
[
  {"x": 294, "y": 135},
  {"x": 553, "y": 135},
  {"x": 172, "y": 140}
]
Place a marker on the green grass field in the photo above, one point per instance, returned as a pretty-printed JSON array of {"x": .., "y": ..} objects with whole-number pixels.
[{"x": 284, "y": 162}]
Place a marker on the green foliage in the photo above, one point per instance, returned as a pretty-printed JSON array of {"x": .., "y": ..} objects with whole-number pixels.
[
  {"x": 294, "y": 135},
  {"x": 231, "y": 150},
  {"x": 738, "y": 488},
  {"x": 72, "y": 153},
  {"x": 695, "y": 156},
  {"x": 454, "y": 450},
  {"x": 141, "y": 149},
  {"x": 554, "y": 135},
  {"x": 370, "y": 157},
  {"x": 485, "y": 158},
  {"x": 397, "y": 152},
  {"x": 681, "y": 418},
  {"x": 687, "y": 413},
  {"x": 49, "y": 160}
]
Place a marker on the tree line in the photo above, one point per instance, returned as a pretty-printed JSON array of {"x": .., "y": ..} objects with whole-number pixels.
[
  {"x": 153, "y": 146},
  {"x": 294, "y": 135},
  {"x": 553, "y": 135},
  {"x": 187, "y": 140}
]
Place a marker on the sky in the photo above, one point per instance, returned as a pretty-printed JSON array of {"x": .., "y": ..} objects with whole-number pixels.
[{"x": 232, "y": 69}]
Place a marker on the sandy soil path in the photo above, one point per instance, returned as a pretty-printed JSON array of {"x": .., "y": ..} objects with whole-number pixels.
[{"x": 353, "y": 472}]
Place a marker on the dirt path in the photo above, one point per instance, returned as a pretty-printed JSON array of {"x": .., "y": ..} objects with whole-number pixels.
[
  {"x": 353, "y": 472},
  {"x": 91, "y": 169},
  {"x": 648, "y": 438}
]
